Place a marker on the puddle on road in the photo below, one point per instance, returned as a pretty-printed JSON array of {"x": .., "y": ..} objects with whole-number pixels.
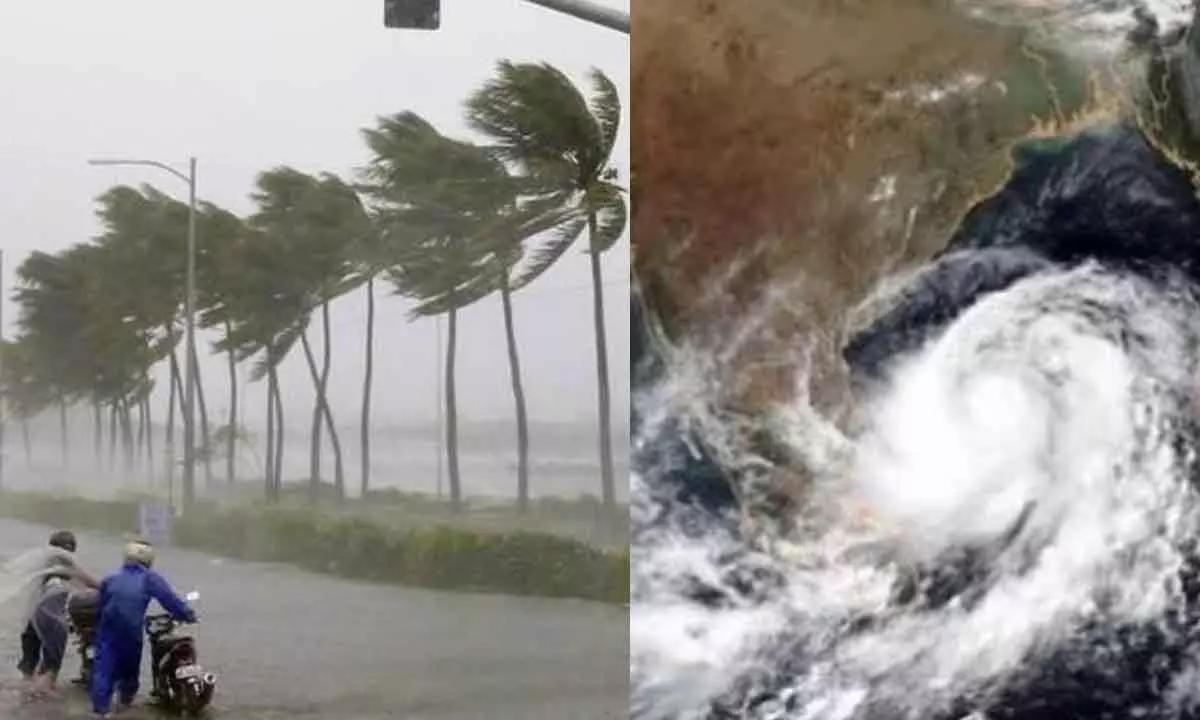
[
  {"x": 71, "y": 703},
  {"x": 67, "y": 703}
]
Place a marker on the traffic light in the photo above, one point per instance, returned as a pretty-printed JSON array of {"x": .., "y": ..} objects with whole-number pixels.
[{"x": 412, "y": 14}]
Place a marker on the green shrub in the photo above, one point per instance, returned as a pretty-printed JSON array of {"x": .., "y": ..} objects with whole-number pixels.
[
  {"x": 111, "y": 516},
  {"x": 356, "y": 546}
]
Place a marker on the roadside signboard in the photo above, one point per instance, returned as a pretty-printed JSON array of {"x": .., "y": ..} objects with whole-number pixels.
[{"x": 155, "y": 518}]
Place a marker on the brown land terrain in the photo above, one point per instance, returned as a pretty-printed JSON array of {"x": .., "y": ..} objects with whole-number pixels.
[{"x": 796, "y": 145}]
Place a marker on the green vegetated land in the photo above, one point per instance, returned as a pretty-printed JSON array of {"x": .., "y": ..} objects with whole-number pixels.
[{"x": 361, "y": 546}]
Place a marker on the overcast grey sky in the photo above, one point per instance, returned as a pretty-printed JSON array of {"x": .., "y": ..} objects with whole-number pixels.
[{"x": 245, "y": 86}]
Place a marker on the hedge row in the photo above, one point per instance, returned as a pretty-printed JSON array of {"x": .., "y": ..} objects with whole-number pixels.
[{"x": 517, "y": 563}]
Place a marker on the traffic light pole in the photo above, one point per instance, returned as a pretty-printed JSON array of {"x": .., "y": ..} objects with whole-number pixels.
[
  {"x": 426, "y": 14},
  {"x": 590, "y": 11}
]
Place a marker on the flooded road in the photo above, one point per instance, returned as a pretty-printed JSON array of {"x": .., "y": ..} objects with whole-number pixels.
[{"x": 290, "y": 644}]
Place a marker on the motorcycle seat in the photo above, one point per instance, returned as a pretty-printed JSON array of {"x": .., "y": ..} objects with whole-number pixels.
[{"x": 167, "y": 643}]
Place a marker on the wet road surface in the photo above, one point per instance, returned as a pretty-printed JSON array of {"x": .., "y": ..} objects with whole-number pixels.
[{"x": 290, "y": 644}]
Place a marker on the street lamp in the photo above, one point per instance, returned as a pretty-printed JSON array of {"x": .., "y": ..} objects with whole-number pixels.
[{"x": 189, "y": 305}]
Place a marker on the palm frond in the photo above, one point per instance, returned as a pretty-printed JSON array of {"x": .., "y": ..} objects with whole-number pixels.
[
  {"x": 544, "y": 257},
  {"x": 537, "y": 117},
  {"x": 611, "y": 219},
  {"x": 605, "y": 105},
  {"x": 478, "y": 288}
]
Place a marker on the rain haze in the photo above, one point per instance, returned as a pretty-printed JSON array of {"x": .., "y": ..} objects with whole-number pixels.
[
  {"x": 246, "y": 87},
  {"x": 447, "y": 601}
]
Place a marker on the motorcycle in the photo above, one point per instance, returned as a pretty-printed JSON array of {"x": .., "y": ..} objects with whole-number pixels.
[
  {"x": 83, "y": 608},
  {"x": 181, "y": 685}
]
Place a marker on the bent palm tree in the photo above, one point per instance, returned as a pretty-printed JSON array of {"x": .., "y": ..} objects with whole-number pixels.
[
  {"x": 266, "y": 309},
  {"x": 370, "y": 260},
  {"x": 317, "y": 220},
  {"x": 217, "y": 268},
  {"x": 432, "y": 195},
  {"x": 541, "y": 122}
]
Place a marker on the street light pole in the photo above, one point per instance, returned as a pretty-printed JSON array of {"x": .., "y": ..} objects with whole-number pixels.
[
  {"x": 189, "y": 425},
  {"x": 189, "y": 311},
  {"x": 590, "y": 11}
]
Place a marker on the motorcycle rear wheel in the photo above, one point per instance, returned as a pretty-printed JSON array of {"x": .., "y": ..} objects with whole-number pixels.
[{"x": 182, "y": 700}]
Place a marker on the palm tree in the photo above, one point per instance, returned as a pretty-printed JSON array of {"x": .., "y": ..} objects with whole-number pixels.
[
  {"x": 369, "y": 260},
  {"x": 522, "y": 220},
  {"x": 432, "y": 195},
  {"x": 336, "y": 220},
  {"x": 53, "y": 304},
  {"x": 82, "y": 330},
  {"x": 217, "y": 269},
  {"x": 144, "y": 232},
  {"x": 121, "y": 331},
  {"x": 514, "y": 370},
  {"x": 319, "y": 219},
  {"x": 171, "y": 227},
  {"x": 265, "y": 311},
  {"x": 26, "y": 393},
  {"x": 279, "y": 195},
  {"x": 542, "y": 123}
]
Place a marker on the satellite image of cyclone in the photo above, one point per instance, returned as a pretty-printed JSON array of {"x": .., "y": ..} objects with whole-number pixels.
[{"x": 1028, "y": 448}]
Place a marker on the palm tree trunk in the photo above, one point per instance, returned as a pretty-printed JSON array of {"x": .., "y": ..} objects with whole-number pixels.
[
  {"x": 368, "y": 375},
  {"x": 65, "y": 438},
  {"x": 150, "y": 462},
  {"x": 339, "y": 475},
  {"x": 140, "y": 435},
  {"x": 173, "y": 397},
  {"x": 27, "y": 440},
  {"x": 322, "y": 411},
  {"x": 278, "y": 436},
  {"x": 452, "y": 415},
  {"x": 608, "y": 488},
  {"x": 314, "y": 447},
  {"x": 114, "y": 427},
  {"x": 231, "y": 460},
  {"x": 204, "y": 435},
  {"x": 122, "y": 439},
  {"x": 98, "y": 431},
  {"x": 269, "y": 467},
  {"x": 126, "y": 435},
  {"x": 514, "y": 367}
]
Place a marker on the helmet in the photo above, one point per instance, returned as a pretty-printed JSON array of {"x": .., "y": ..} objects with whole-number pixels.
[
  {"x": 139, "y": 551},
  {"x": 63, "y": 539}
]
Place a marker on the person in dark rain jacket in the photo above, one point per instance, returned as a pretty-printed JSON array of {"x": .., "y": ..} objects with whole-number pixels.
[
  {"x": 44, "y": 641},
  {"x": 124, "y": 598}
]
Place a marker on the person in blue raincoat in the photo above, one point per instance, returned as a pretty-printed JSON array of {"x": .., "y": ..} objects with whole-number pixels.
[{"x": 124, "y": 598}]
